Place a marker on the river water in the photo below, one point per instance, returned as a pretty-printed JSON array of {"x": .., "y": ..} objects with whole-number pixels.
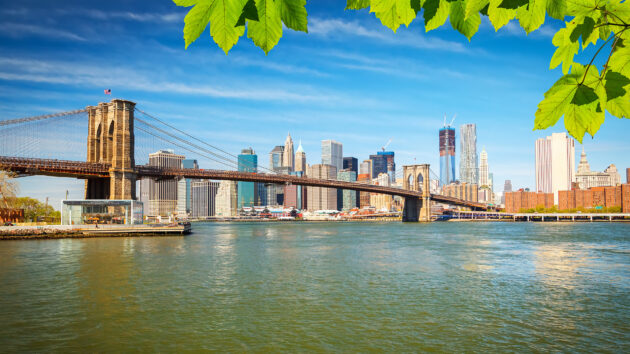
[{"x": 323, "y": 287}]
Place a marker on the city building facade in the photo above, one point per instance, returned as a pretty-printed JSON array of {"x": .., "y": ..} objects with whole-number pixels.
[
  {"x": 163, "y": 193},
  {"x": 555, "y": 163},
  {"x": 288, "y": 158},
  {"x": 465, "y": 191},
  {"x": 349, "y": 197},
  {"x": 332, "y": 154},
  {"x": 247, "y": 191},
  {"x": 585, "y": 178},
  {"x": 184, "y": 189},
  {"x": 319, "y": 198},
  {"x": 468, "y": 166},
  {"x": 300, "y": 159},
  {"x": 204, "y": 198},
  {"x": 447, "y": 155},
  {"x": 227, "y": 199},
  {"x": 596, "y": 197},
  {"x": 522, "y": 199},
  {"x": 379, "y": 164},
  {"x": 391, "y": 164}
]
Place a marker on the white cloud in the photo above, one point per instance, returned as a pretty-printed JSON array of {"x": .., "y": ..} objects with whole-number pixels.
[
  {"x": 334, "y": 27},
  {"x": 76, "y": 74},
  {"x": 18, "y": 30},
  {"x": 134, "y": 16}
]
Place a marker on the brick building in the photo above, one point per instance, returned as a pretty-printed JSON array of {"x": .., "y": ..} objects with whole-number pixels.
[
  {"x": 618, "y": 196},
  {"x": 521, "y": 199}
]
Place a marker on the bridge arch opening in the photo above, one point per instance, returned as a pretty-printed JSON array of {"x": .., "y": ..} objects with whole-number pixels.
[
  {"x": 110, "y": 141},
  {"x": 410, "y": 182},
  {"x": 97, "y": 148},
  {"x": 419, "y": 181}
]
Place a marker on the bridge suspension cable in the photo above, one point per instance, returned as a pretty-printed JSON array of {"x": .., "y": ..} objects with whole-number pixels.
[
  {"x": 41, "y": 117},
  {"x": 221, "y": 154}
]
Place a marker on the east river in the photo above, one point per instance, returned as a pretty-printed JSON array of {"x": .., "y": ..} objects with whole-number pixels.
[{"x": 323, "y": 287}]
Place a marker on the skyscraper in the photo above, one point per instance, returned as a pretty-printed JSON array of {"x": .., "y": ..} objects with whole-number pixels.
[
  {"x": 555, "y": 161},
  {"x": 204, "y": 197},
  {"x": 247, "y": 191},
  {"x": 379, "y": 164},
  {"x": 227, "y": 199},
  {"x": 447, "y": 155},
  {"x": 163, "y": 192},
  {"x": 184, "y": 189},
  {"x": 332, "y": 154},
  {"x": 507, "y": 187},
  {"x": 349, "y": 197},
  {"x": 300, "y": 159},
  {"x": 468, "y": 167},
  {"x": 276, "y": 157},
  {"x": 319, "y": 198},
  {"x": 288, "y": 159},
  {"x": 352, "y": 164},
  {"x": 484, "y": 174},
  {"x": 391, "y": 164}
]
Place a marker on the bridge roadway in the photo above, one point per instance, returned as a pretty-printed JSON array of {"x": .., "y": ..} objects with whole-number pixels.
[{"x": 79, "y": 169}]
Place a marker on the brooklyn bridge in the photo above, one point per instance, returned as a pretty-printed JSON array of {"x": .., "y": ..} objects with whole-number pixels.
[{"x": 116, "y": 134}]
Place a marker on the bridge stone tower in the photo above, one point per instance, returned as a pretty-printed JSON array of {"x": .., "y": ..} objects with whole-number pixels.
[
  {"x": 111, "y": 141},
  {"x": 417, "y": 178}
]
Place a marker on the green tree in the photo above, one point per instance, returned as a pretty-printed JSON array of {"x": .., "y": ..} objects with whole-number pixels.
[
  {"x": 581, "y": 95},
  {"x": 34, "y": 209}
]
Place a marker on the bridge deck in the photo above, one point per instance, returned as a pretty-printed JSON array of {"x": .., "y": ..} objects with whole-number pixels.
[{"x": 79, "y": 169}]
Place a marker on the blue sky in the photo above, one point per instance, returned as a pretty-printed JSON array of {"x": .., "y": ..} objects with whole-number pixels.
[{"x": 349, "y": 79}]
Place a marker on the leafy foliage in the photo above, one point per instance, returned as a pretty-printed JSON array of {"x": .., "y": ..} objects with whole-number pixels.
[
  {"x": 34, "y": 209},
  {"x": 582, "y": 95}
]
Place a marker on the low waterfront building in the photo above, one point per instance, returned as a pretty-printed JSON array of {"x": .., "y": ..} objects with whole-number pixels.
[
  {"x": 101, "y": 211},
  {"x": 596, "y": 197},
  {"x": 465, "y": 191},
  {"x": 524, "y": 199}
]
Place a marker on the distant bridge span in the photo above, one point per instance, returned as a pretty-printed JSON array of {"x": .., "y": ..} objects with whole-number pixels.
[{"x": 91, "y": 170}]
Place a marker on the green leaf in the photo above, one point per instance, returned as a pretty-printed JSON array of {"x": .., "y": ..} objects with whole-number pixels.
[
  {"x": 185, "y": 3},
  {"x": 196, "y": 20},
  {"x": 557, "y": 9},
  {"x": 585, "y": 7},
  {"x": 223, "y": 19},
  {"x": 512, "y": 4},
  {"x": 474, "y": 6},
  {"x": 393, "y": 13},
  {"x": 620, "y": 61},
  {"x": 499, "y": 16},
  {"x": 532, "y": 16},
  {"x": 266, "y": 32},
  {"x": 357, "y": 4},
  {"x": 583, "y": 27},
  {"x": 293, "y": 14},
  {"x": 467, "y": 27},
  {"x": 435, "y": 13},
  {"x": 573, "y": 96},
  {"x": 567, "y": 49},
  {"x": 416, "y": 5},
  {"x": 618, "y": 94},
  {"x": 249, "y": 13}
]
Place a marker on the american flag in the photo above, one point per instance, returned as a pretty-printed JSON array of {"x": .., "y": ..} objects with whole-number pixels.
[{"x": 108, "y": 91}]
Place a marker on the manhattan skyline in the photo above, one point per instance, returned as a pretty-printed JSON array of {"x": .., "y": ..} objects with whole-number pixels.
[{"x": 328, "y": 84}]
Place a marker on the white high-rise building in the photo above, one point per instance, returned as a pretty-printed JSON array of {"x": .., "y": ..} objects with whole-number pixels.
[
  {"x": 332, "y": 154},
  {"x": 484, "y": 173},
  {"x": 163, "y": 193},
  {"x": 555, "y": 163},
  {"x": 468, "y": 168},
  {"x": 319, "y": 198},
  {"x": 300, "y": 159},
  {"x": 288, "y": 157},
  {"x": 204, "y": 195},
  {"x": 226, "y": 199}
]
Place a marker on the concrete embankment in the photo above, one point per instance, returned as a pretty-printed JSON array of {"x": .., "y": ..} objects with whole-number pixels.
[{"x": 80, "y": 231}]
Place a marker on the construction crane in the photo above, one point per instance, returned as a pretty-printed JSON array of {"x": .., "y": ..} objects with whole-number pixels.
[
  {"x": 451, "y": 123},
  {"x": 386, "y": 145}
]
